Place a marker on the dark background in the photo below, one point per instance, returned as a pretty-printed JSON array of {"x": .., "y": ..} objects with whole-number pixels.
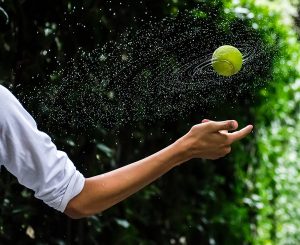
[{"x": 197, "y": 203}]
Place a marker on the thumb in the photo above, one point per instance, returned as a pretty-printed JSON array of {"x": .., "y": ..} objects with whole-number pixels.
[{"x": 223, "y": 125}]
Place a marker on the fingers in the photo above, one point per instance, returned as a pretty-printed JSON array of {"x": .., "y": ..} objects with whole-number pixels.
[
  {"x": 238, "y": 135},
  {"x": 226, "y": 124},
  {"x": 211, "y": 140},
  {"x": 222, "y": 153},
  {"x": 223, "y": 125},
  {"x": 227, "y": 150},
  {"x": 207, "y": 120}
]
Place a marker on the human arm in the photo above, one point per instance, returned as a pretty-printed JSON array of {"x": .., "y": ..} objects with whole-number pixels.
[
  {"x": 31, "y": 156},
  {"x": 207, "y": 140}
]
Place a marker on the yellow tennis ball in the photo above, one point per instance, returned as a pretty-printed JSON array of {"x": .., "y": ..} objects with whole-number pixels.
[{"x": 227, "y": 60}]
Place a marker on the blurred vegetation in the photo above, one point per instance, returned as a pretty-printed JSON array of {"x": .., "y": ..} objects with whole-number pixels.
[{"x": 250, "y": 197}]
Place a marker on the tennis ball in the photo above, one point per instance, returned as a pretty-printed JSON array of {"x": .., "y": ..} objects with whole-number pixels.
[{"x": 227, "y": 60}]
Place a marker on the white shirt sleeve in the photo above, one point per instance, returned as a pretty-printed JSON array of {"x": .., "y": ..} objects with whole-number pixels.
[{"x": 32, "y": 157}]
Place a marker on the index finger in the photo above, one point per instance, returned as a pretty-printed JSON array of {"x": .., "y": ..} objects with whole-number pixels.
[{"x": 238, "y": 135}]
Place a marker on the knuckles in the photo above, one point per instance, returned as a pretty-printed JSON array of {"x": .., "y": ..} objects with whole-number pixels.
[
  {"x": 214, "y": 146},
  {"x": 227, "y": 150}
]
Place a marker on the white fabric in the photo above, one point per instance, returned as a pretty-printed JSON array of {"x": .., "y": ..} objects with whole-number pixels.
[{"x": 31, "y": 156}]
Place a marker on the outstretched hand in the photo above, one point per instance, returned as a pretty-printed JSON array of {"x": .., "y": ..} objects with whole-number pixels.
[{"x": 211, "y": 139}]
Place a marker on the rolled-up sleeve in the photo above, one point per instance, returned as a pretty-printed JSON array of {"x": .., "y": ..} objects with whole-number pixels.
[{"x": 31, "y": 156}]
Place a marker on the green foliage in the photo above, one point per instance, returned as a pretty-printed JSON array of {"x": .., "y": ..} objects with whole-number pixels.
[{"x": 273, "y": 170}]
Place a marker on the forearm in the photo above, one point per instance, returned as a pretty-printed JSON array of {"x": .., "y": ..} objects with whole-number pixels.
[
  {"x": 209, "y": 140},
  {"x": 103, "y": 191}
]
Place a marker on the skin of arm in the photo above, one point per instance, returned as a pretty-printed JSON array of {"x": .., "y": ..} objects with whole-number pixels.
[{"x": 208, "y": 140}]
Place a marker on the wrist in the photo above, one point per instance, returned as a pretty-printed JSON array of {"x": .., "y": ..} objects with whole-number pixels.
[{"x": 182, "y": 148}]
